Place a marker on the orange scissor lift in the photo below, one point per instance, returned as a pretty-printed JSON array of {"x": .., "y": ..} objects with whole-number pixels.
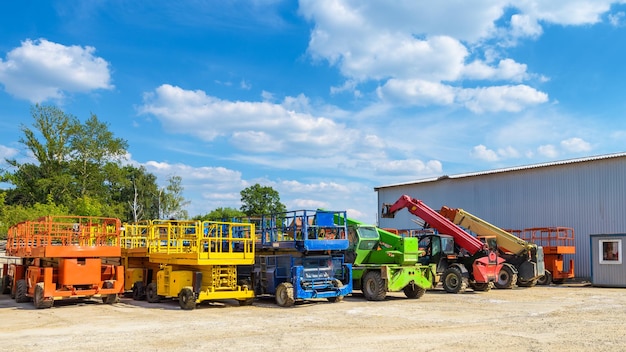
[
  {"x": 64, "y": 257},
  {"x": 193, "y": 261},
  {"x": 556, "y": 242}
]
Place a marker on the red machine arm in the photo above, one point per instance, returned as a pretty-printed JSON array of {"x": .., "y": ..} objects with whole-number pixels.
[{"x": 435, "y": 220}]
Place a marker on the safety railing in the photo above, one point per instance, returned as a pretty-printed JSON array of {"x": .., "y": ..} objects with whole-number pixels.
[
  {"x": 62, "y": 231},
  {"x": 191, "y": 236},
  {"x": 547, "y": 236}
]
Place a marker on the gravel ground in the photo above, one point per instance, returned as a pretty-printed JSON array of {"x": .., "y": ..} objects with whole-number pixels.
[{"x": 572, "y": 317}]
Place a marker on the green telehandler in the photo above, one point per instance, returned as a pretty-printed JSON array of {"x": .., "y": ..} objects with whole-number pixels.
[{"x": 385, "y": 262}]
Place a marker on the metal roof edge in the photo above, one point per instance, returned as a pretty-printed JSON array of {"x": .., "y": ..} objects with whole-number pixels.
[{"x": 508, "y": 169}]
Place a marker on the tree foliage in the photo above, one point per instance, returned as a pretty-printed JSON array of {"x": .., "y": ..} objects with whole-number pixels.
[
  {"x": 77, "y": 169},
  {"x": 222, "y": 214},
  {"x": 258, "y": 200},
  {"x": 172, "y": 202}
]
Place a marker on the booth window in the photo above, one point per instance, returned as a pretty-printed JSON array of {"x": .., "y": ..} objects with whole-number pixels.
[{"x": 610, "y": 251}]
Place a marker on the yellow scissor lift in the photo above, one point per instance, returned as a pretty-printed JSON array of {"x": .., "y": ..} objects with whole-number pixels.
[{"x": 194, "y": 261}]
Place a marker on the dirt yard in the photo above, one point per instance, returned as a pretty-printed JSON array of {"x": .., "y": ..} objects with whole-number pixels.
[{"x": 556, "y": 318}]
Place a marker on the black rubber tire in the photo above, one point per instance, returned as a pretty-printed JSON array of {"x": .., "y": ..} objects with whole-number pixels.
[
  {"x": 12, "y": 289},
  {"x": 529, "y": 283},
  {"x": 6, "y": 285},
  {"x": 285, "y": 295},
  {"x": 335, "y": 299},
  {"x": 507, "y": 277},
  {"x": 139, "y": 291},
  {"x": 374, "y": 288},
  {"x": 482, "y": 286},
  {"x": 186, "y": 298},
  {"x": 246, "y": 302},
  {"x": 151, "y": 293},
  {"x": 21, "y": 291},
  {"x": 110, "y": 298},
  {"x": 413, "y": 291},
  {"x": 545, "y": 279},
  {"x": 453, "y": 281},
  {"x": 39, "y": 300}
]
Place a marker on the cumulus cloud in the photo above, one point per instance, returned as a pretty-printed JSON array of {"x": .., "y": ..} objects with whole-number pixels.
[
  {"x": 616, "y": 19},
  {"x": 417, "y": 57},
  {"x": 576, "y": 145},
  {"x": 548, "y": 150},
  {"x": 40, "y": 70},
  {"x": 416, "y": 167},
  {"x": 501, "y": 98},
  {"x": 478, "y": 100},
  {"x": 250, "y": 126},
  {"x": 481, "y": 152}
]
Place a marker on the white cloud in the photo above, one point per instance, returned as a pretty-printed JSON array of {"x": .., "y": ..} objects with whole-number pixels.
[
  {"x": 576, "y": 145},
  {"x": 501, "y": 98},
  {"x": 412, "y": 166},
  {"x": 565, "y": 12},
  {"x": 41, "y": 70},
  {"x": 483, "y": 153},
  {"x": 280, "y": 135},
  {"x": 548, "y": 150},
  {"x": 507, "y": 69},
  {"x": 416, "y": 56},
  {"x": 7, "y": 152},
  {"x": 253, "y": 127},
  {"x": 508, "y": 152},
  {"x": 417, "y": 92},
  {"x": 616, "y": 18},
  {"x": 525, "y": 26}
]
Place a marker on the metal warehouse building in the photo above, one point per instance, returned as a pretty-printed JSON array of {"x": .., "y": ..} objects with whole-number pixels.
[{"x": 587, "y": 194}]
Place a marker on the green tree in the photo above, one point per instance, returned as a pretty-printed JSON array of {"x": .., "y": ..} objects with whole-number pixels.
[
  {"x": 171, "y": 200},
  {"x": 13, "y": 214},
  {"x": 93, "y": 146},
  {"x": 222, "y": 214},
  {"x": 258, "y": 200},
  {"x": 50, "y": 176}
]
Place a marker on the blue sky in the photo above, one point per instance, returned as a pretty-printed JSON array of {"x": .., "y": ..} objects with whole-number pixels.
[{"x": 321, "y": 100}]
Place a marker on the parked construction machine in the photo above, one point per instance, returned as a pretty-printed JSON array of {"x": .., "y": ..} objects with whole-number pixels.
[
  {"x": 192, "y": 261},
  {"x": 385, "y": 262},
  {"x": 460, "y": 258},
  {"x": 524, "y": 260},
  {"x": 62, "y": 257},
  {"x": 300, "y": 256},
  {"x": 556, "y": 242}
]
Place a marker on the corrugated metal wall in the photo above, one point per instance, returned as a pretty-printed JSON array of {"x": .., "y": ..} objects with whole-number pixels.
[{"x": 589, "y": 196}]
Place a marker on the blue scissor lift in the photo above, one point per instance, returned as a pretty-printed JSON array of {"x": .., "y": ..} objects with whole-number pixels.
[{"x": 300, "y": 256}]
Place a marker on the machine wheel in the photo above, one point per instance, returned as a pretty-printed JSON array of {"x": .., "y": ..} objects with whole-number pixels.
[
  {"x": 557, "y": 281},
  {"x": 506, "y": 277},
  {"x": 480, "y": 286},
  {"x": 374, "y": 288},
  {"x": 413, "y": 291},
  {"x": 6, "y": 284},
  {"x": 284, "y": 295},
  {"x": 529, "y": 283},
  {"x": 545, "y": 279},
  {"x": 151, "y": 293},
  {"x": 21, "y": 290},
  {"x": 111, "y": 298},
  {"x": 186, "y": 298},
  {"x": 139, "y": 291},
  {"x": 335, "y": 299},
  {"x": 39, "y": 300},
  {"x": 12, "y": 289},
  {"x": 246, "y": 302},
  {"x": 453, "y": 281}
]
